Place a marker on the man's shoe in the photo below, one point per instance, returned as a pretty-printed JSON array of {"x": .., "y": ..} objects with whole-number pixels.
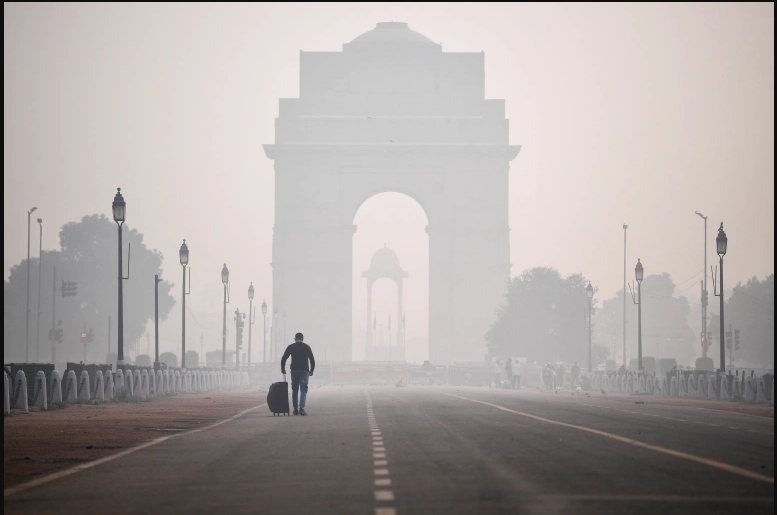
[
  {"x": 296, "y": 412},
  {"x": 302, "y": 411}
]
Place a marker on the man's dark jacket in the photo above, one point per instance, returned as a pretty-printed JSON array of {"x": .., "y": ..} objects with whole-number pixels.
[{"x": 300, "y": 353}]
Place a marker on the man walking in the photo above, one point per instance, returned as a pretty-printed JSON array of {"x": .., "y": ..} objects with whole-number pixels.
[
  {"x": 509, "y": 371},
  {"x": 516, "y": 374},
  {"x": 300, "y": 354}
]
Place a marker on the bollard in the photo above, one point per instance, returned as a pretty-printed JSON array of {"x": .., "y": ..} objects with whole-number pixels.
[
  {"x": 84, "y": 393},
  {"x": 177, "y": 382},
  {"x": 6, "y": 395},
  {"x": 152, "y": 383},
  {"x": 761, "y": 390},
  {"x": 129, "y": 384},
  {"x": 160, "y": 382},
  {"x": 750, "y": 390},
  {"x": 701, "y": 387},
  {"x": 712, "y": 386},
  {"x": 99, "y": 386},
  {"x": 724, "y": 393},
  {"x": 691, "y": 386},
  {"x": 118, "y": 384},
  {"x": 71, "y": 387},
  {"x": 39, "y": 397},
  {"x": 144, "y": 387},
  {"x": 138, "y": 385},
  {"x": 108, "y": 378},
  {"x": 55, "y": 395},
  {"x": 20, "y": 392}
]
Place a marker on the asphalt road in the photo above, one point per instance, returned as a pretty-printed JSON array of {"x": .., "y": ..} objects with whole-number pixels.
[{"x": 429, "y": 450}]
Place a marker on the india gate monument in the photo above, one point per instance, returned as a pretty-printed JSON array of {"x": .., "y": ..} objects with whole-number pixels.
[{"x": 392, "y": 112}]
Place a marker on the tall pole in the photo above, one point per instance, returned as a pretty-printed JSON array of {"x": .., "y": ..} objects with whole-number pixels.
[
  {"x": 704, "y": 308},
  {"x": 590, "y": 370},
  {"x": 722, "y": 323},
  {"x": 109, "y": 334},
  {"x": 27, "y": 313},
  {"x": 40, "y": 264},
  {"x": 264, "y": 337},
  {"x": 250, "y": 323},
  {"x": 624, "y": 293},
  {"x": 705, "y": 343},
  {"x": 224, "y": 331},
  {"x": 156, "y": 322},
  {"x": 183, "y": 319},
  {"x": 120, "y": 355},
  {"x": 639, "y": 325},
  {"x": 237, "y": 339},
  {"x": 53, "y": 319}
]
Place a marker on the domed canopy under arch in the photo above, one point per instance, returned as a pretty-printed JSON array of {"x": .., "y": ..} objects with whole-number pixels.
[
  {"x": 392, "y": 33},
  {"x": 385, "y": 264}
]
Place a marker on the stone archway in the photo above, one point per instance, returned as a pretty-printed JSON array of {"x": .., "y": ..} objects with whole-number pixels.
[{"x": 392, "y": 113}]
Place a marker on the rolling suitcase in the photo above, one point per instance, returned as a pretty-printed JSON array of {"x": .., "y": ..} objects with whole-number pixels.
[{"x": 278, "y": 397}]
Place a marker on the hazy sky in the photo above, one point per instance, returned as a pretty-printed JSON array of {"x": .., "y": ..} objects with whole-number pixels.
[{"x": 635, "y": 113}]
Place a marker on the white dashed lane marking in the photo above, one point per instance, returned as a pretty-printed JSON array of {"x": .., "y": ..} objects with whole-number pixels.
[{"x": 380, "y": 464}]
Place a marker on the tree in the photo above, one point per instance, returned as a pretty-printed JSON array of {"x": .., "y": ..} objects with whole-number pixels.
[
  {"x": 665, "y": 329},
  {"x": 192, "y": 359},
  {"x": 169, "y": 358},
  {"x": 88, "y": 256},
  {"x": 544, "y": 318},
  {"x": 750, "y": 308}
]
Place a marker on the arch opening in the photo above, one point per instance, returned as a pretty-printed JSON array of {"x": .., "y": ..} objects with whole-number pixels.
[{"x": 390, "y": 226}]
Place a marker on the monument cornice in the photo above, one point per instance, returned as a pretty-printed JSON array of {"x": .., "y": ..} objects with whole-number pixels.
[{"x": 278, "y": 150}]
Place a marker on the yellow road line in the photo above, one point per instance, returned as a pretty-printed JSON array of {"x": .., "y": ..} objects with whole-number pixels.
[
  {"x": 678, "y": 454},
  {"x": 83, "y": 466}
]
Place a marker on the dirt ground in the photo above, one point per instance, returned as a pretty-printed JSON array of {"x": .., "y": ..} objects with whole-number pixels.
[{"x": 42, "y": 441}]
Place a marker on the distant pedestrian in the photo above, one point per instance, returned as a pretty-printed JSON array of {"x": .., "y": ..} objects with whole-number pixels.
[
  {"x": 300, "y": 354},
  {"x": 517, "y": 370},
  {"x": 497, "y": 373},
  {"x": 509, "y": 372},
  {"x": 549, "y": 377}
]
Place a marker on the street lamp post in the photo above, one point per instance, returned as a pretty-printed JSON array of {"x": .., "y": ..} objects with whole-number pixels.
[
  {"x": 264, "y": 331},
  {"x": 251, "y": 319},
  {"x": 639, "y": 273},
  {"x": 119, "y": 215},
  {"x": 722, "y": 245},
  {"x": 27, "y": 325},
  {"x": 589, "y": 291},
  {"x": 624, "y": 293},
  {"x": 40, "y": 265},
  {"x": 225, "y": 280},
  {"x": 183, "y": 254},
  {"x": 704, "y": 289},
  {"x": 156, "y": 322}
]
